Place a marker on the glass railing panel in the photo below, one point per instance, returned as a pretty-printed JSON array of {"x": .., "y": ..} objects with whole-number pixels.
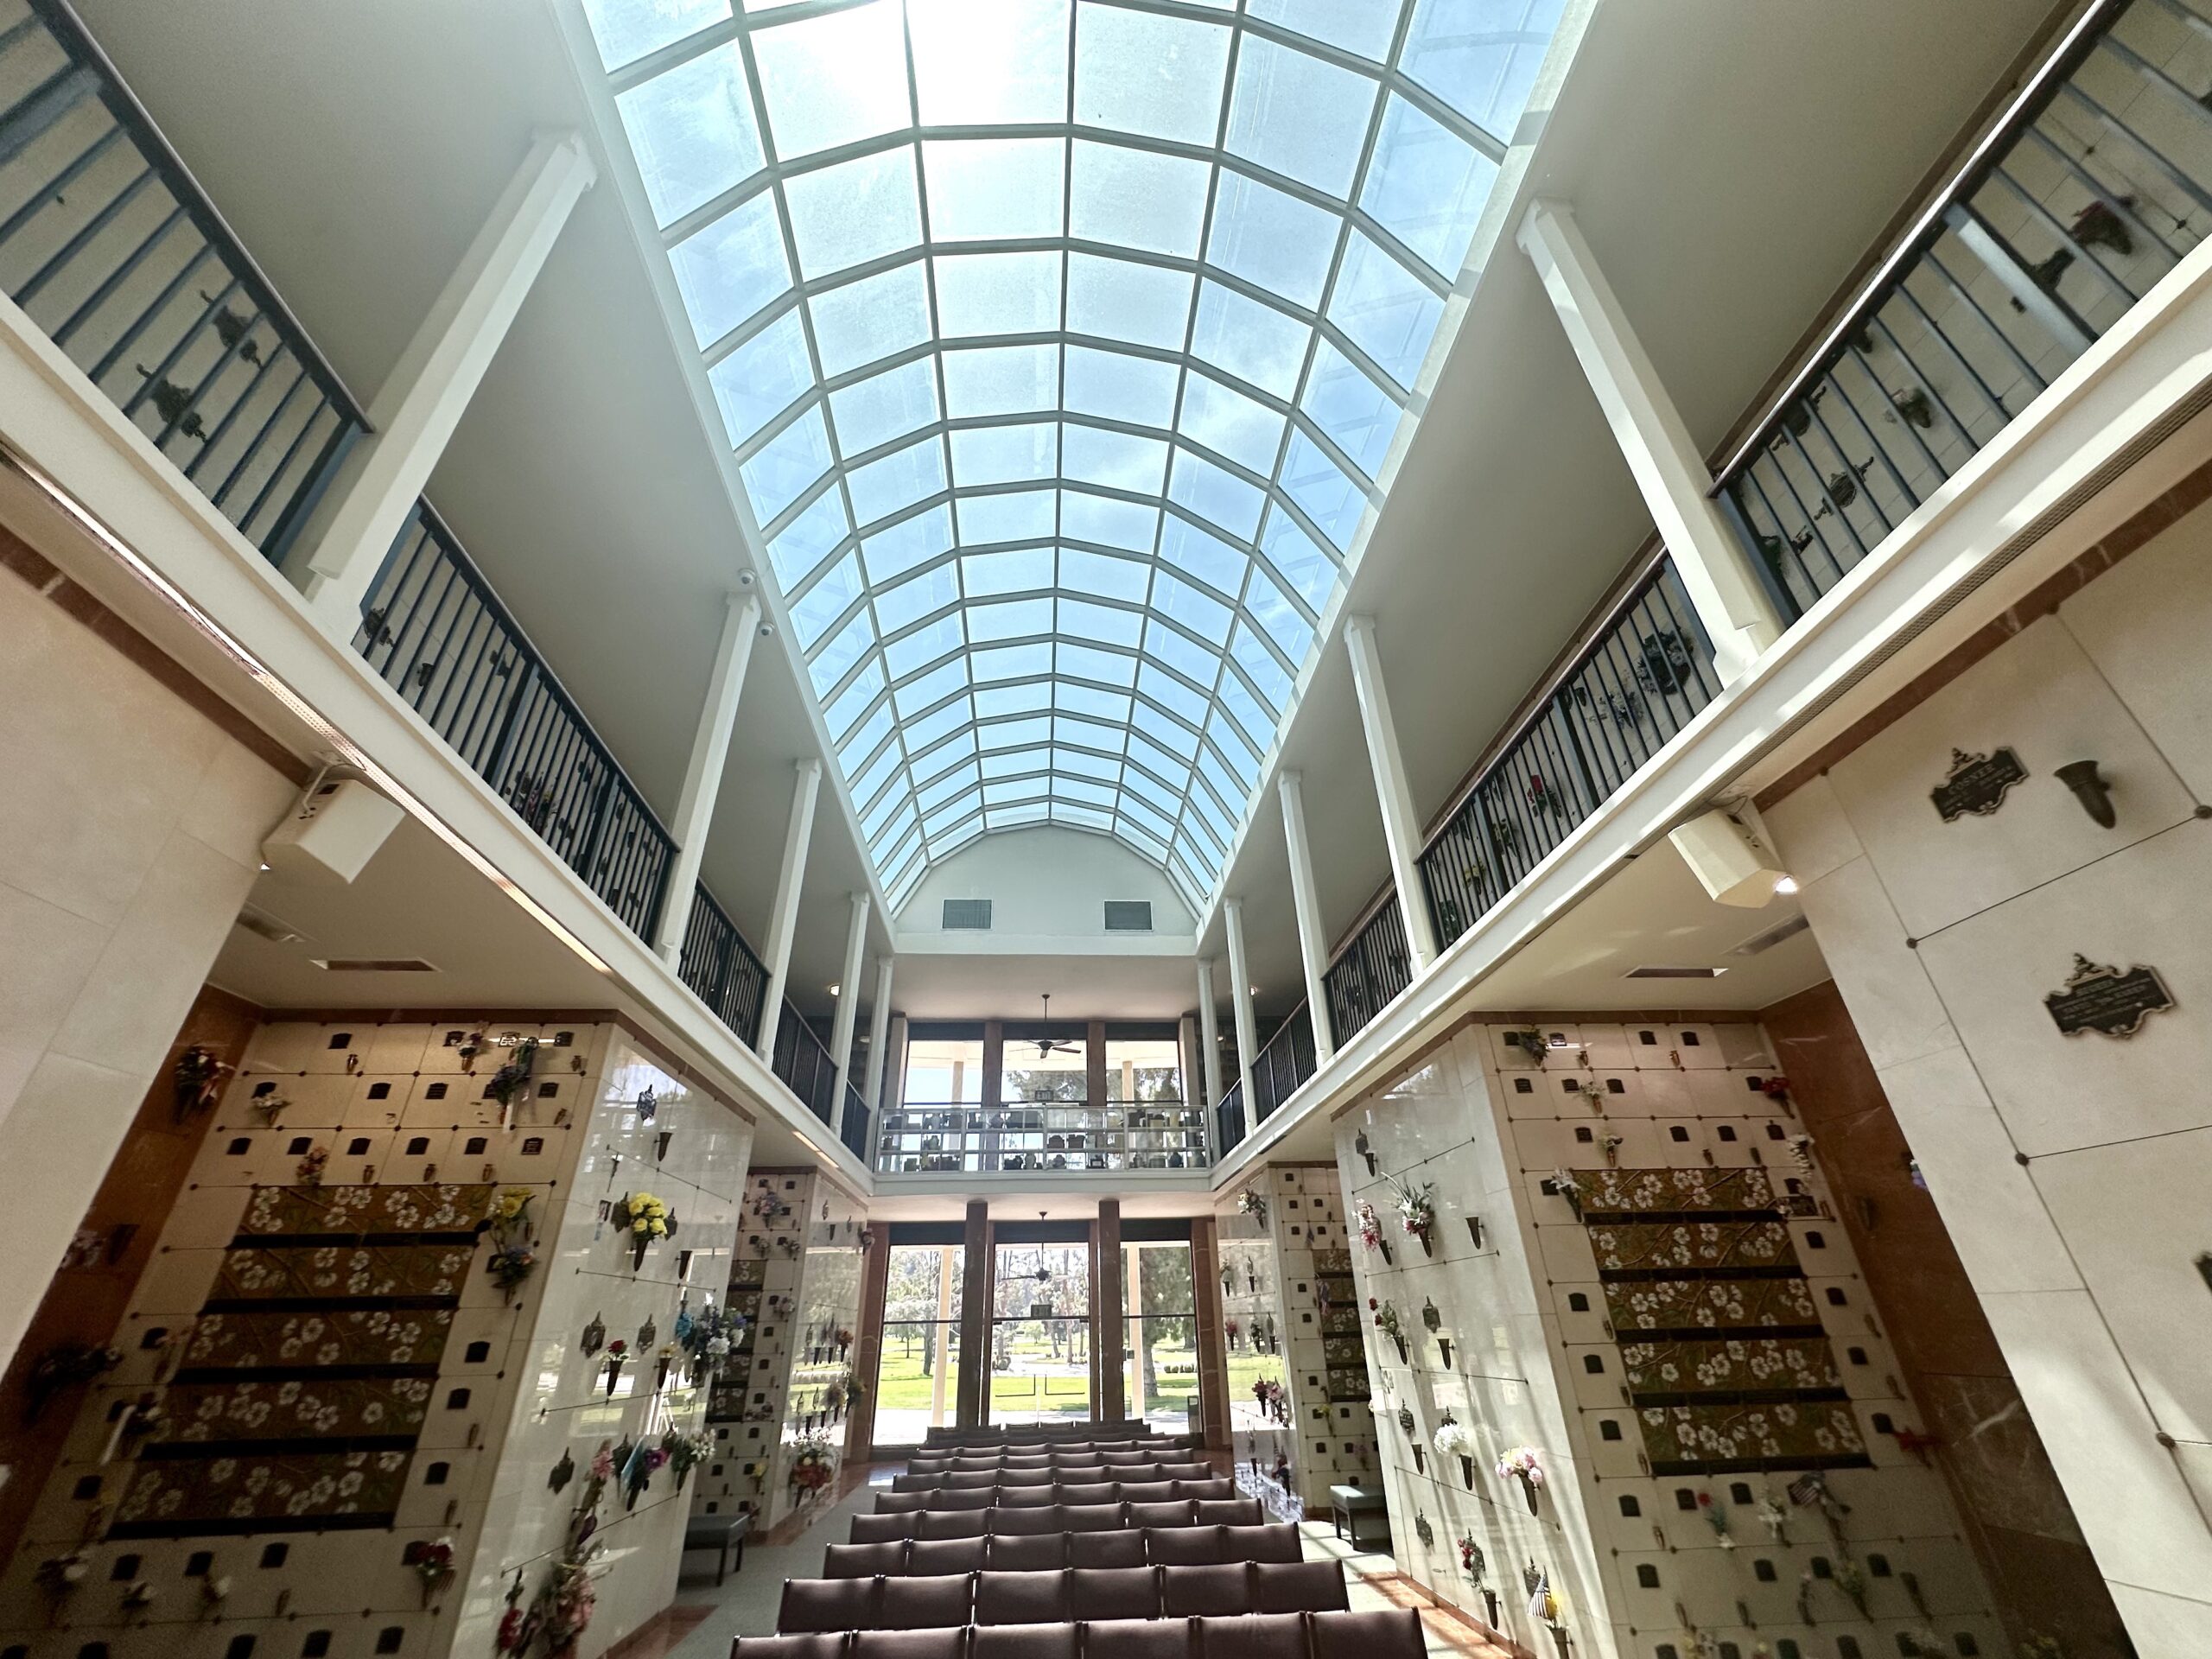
[{"x": 112, "y": 250}]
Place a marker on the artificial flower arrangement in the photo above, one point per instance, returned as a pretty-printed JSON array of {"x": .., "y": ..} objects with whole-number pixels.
[
  {"x": 1523, "y": 1464},
  {"x": 617, "y": 1351},
  {"x": 1417, "y": 1212},
  {"x": 433, "y": 1565},
  {"x": 814, "y": 1465},
  {"x": 269, "y": 1107},
  {"x": 645, "y": 1218},
  {"x": 1609, "y": 1144},
  {"x": 1386, "y": 1321},
  {"x": 511, "y": 1079},
  {"x": 60, "y": 1575},
  {"x": 1371, "y": 1231},
  {"x": 215, "y": 1591},
  {"x": 1472, "y": 1560},
  {"x": 308, "y": 1170},
  {"x": 1568, "y": 1186},
  {"x": 638, "y": 1471},
  {"x": 1234, "y": 1332},
  {"x": 1452, "y": 1440},
  {"x": 1253, "y": 1202},
  {"x": 513, "y": 1260},
  {"x": 197, "y": 1076},
  {"x": 684, "y": 1452},
  {"x": 1716, "y": 1516}
]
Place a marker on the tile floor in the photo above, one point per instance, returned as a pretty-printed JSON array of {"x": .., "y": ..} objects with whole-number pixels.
[{"x": 704, "y": 1617}]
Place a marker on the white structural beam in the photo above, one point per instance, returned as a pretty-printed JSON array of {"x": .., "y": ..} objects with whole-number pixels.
[
  {"x": 783, "y": 921},
  {"x": 1209, "y": 1032},
  {"x": 1306, "y": 899},
  {"x": 1714, "y": 566},
  {"x": 1240, "y": 1001},
  {"x": 848, "y": 1003},
  {"x": 702, "y": 774},
  {"x": 414, "y": 415},
  {"x": 1401, "y": 829},
  {"x": 878, "y": 1035}
]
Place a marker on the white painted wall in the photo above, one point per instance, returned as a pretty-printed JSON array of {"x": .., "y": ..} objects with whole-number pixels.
[
  {"x": 1045, "y": 883},
  {"x": 130, "y": 828},
  {"x": 2071, "y": 1171}
]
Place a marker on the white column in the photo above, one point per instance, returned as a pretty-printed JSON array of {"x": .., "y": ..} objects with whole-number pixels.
[
  {"x": 1209, "y": 1032},
  {"x": 702, "y": 774},
  {"x": 1715, "y": 565},
  {"x": 421, "y": 402},
  {"x": 878, "y": 1034},
  {"x": 784, "y": 919},
  {"x": 1401, "y": 829},
  {"x": 1313, "y": 944},
  {"x": 848, "y": 1003},
  {"x": 1240, "y": 1001}
]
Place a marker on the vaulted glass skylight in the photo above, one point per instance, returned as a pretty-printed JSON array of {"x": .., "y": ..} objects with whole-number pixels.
[{"x": 1060, "y": 343}]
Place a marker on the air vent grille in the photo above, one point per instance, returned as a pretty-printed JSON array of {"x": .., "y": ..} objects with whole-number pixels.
[
  {"x": 374, "y": 965},
  {"x": 1772, "y": 936},
  {"x": 1675, "y": 972},
  {"x": 1128, "y": 916},
  {"x": 968, "y": 915}
]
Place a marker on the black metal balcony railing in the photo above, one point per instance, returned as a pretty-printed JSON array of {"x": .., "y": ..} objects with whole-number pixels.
[
  {"x": 1049, "y": 1136},
  {"x": 2096, "y": 187},
  {"x": 432, "y": 627},
  {"x": 1229, "y": 1119},
  {"x": 112, "y": 250},
  {"x": 802, "y": 1060},
  {"x": 1284, "y": 1062},
  {"x": 853, "y": 1129},
  {"x": 1374, "y": 967},
  {"x": 1643, "y": 677},
  {"x": 722, "y": 968}
]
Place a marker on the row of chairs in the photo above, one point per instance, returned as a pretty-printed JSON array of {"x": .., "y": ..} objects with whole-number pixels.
[
  {"x": 1079, "y": 1594},
  {"x": 1384, "y": 1633},
  {"x": 1029, "y": 1456},
  {"x": 1043, "y": 1474},
  {"x": 902, "y": 1558},
  {"x": 1017, "y": 1520},
  {"x": 1211, "y": 1488}
]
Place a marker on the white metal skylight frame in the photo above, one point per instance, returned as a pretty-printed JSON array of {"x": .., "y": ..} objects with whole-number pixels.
[{"x": 1082, "y": 597}]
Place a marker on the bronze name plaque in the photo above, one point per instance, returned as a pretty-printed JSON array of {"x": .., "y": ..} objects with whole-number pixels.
[
  {"x": 2107, "y": 1000},
  {"x": 1977, "y": 783}
]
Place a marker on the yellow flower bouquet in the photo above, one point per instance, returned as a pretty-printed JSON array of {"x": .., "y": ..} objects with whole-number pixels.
[{"x": 645, "y": 1218}]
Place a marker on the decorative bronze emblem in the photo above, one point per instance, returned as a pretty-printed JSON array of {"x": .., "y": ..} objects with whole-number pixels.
[
  {"x": 2105, "y": 999},
  {"x": 1977, "y": 783},
  {"x": 595, "y": 1336},
  {"x": 563, "y": 1472}
]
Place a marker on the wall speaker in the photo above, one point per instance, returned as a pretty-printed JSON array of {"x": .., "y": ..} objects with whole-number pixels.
[
  {"x": 331, "y": 835},
  {"x": 1733, "y": 864}
]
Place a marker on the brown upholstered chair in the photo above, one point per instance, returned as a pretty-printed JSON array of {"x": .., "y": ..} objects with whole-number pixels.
[
  {"x": 1016, "y": 1523},
  {"x": 1045, "y": 1552},
  {"x": 1299, "y": 1587},
  {"x": 1141, "y": 1638},
  {"x": 1255, "y": 1636},
  {"x": 1113, "y": 1592},
  {"x": 952, "y": 1523},
  {"x": 1232, "y": 1512},
  {"x": 811, "y": 1646},
  {"x": 902, "y": 1502},
  {"x": 921, "y": 1604},
  {"x": 1205, "y": 1592},
  {"x": 881, "y": 1528},
  {"x": 1159, "y": 1514},
  {"x": 1021, "y": 1598},
  {"x": 1090, "y": 1517},
  {"x": 1183, "y": 1546},
  {"x": 1380, "y": 1633},
  {"x": 933, "y": 1558},
  {"x": 865, "y": 1560},
  {"x": 827, "y": 1604},
  {"x": 1087, "y": 1492},
  {"x": 1122, "y": 1548},
  {"x": 1024, "y": 1642},
  {"x": 910, "y": 1645},
  {"x": 1261, "y": 1543}
]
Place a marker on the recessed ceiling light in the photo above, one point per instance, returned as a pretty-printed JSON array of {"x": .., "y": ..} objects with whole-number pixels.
[
  {"x": 1785, "y": 884},
  {"x": 834, "y": 991}
]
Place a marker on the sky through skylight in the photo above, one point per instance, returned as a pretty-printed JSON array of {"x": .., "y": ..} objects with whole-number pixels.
[{"x": 1060, "y": 343}]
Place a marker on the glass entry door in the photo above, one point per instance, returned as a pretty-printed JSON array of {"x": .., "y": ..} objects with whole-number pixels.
[{"x": 1040, "y": 1333}]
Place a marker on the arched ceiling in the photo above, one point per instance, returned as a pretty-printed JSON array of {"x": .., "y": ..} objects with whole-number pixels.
[{"x": 1061, "y": 345}]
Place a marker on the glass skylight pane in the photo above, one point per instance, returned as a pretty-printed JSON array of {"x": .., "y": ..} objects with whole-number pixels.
[
  {"x": 921, "y": 732},
  {"x": 1086, "y": 518},
  {"x": 1168, "y": 734},
  {"x": 808, "y": 539},
  {"x": 1089, "y": 734},
  {"x": 1119, "y": 460},
  {"x": 998, "y": 293},
  {"x": 1019, "y": 516},
  {"x": 870, "y": 783},
  {"x": 1109, "y": 626},
  {"x": 1358, "y": 416},
  {"x": 1085, "y": 664},
  {"x": 1011, "y": 662},
  {"x": 852, "y": 701},
  {"x": 958, "y": 747},
  {"x": 1145, "y": 816},
  {"x": 898, "y": 547},
  {"x": 1014, "y": 735},
  {"x": 1005, "y": 454},
  {"x": 626, "y": 30},
  {"x": 1146, "y": 73},
  {"x": 1075, "y": 763},
  {"x": 692, "y": 132},
  {"x": 1289, "y": 630},
  {"x": 930, "y": 591},
  {"x": 876, "y": 317},
  {"x": 941, "y": 681},
  {"x": 1082, "y": 790},
  {"x": 1253, "y": 343},
  {"x": 884, "y": 406},
  {"x": 925, "y": 645},
  {"x": 857, "y": 746},
  {"x": 1001, "y": 380},
  {"x": 854, "y": 212},
  {"x": 780, "y": 470},
  {"x": 1016, "y": 618},
  {"x": 1138, "y": 199},
  {"x": 979, "y": 61},
  {"x": 1480, "y": 56},
  {"x": 840, "y": 653},
  {"x": 1119, "y": 387},
  {"x": 1384, "y": 310},
  {"x": 834, "y": 80},
  {"x": 1186, "y": 655},
  {"x": 1426, "y": 185},
  {"x": 930, "y": 797},
  {"x": 1018, "y": 571},
  {"x": 934, "y": 823},
  {"x": 1218, "y": 496},
  {"x": 1205, "y": 617},
  {"x": 1016, "y": 789},
  {"x": 1365, "y": 28},
  {"x": 1212, "y": 561},
  {"x": 1237, "y": 750},
  {"x": 890, "y": 836},
  {"x": 1119, "y": 299},
  {"x": 1173, "y": 774},
  {"x": 1257, "y": 724},
  {"x": 1105, "y": 577},
  {"x": 1002, "y": 700},
  {"x": 1304, "y": 568},
  {"x": 900, "y": 479},
  {"x": 878, "y": 817},
  {"x": 1275, "y": 240},
  {"x": 762, "y": 378},
  {"x": 732, "y": 268},
  {"x": 1227, "y": 421},
  {"x": 1295, "y": 114},
  {"x": 997, "y": 190},
  {"x": 1332, "y": 501},
  {"x": 825, "y": 601},
  {"x": 1112, "y": 708}
]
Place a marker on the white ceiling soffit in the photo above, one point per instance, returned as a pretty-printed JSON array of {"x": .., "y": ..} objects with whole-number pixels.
[{"x": 1063, "y": 348}]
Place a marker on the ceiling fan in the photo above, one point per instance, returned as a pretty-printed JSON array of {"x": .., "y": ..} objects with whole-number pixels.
[{"x": 1044, "y": 1044}]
